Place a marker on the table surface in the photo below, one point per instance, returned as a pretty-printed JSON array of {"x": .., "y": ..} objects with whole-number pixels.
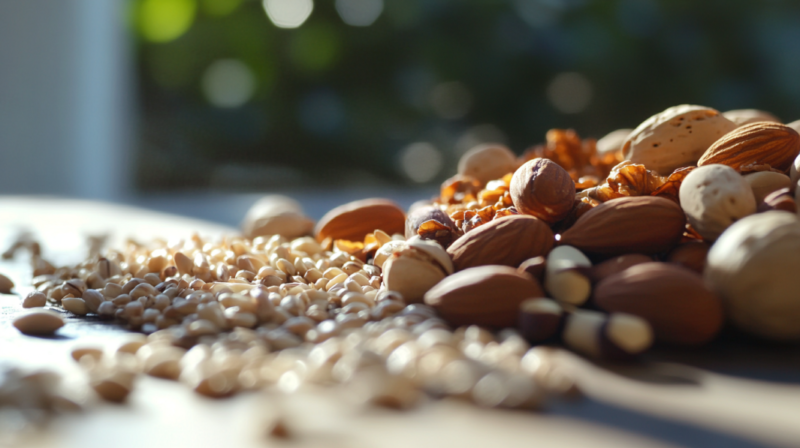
[{"x": 736, "y": 392}]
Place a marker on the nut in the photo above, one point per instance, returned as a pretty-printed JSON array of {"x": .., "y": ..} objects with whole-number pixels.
[
  {"x": 446, "y": 232},
  {"x": 674, "y": 300},
  {"x": 39, "y": 322},
  {"x": 760, "y": 143},
  {"x": 753, "y": 267},
  {"x": 641, "y": 224},
  {"x": 676, "y": 137},
  {"x": 487, "y": 162},
  {"x": 619, "y": 336},
  {"x": 485, "y": 295},
  {"x": 543, "y": 189},
  {"x": 613, "y": 141},
  {"x": 566, "y": 276},
  {"x": 691, "y": 255},
  {"x": 746, "y": 116},
  {"x": 617, "y": 264},
  {"x": 384, "y": 252},
  {"x": 6, "y": 285},
  {"x": 765, "y": 182},
  {"x": 415, "y": 270},
  {"x": 506, "y": 241},
  {"x": 534, "y": 267},
  {"x": 714, "y": 197},
  {"x": 34, "y": 300},
  {"x": 276, "y": 215},
  {"x": 794, "y": 173},
  {"x": 539, "y": 319},
  {"x": 779, "y": 200},
  {"x": 354, "y": 220}
]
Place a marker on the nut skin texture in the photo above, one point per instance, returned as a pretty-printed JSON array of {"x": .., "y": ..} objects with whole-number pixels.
[
  {"x": 616, "y": 265},
  {"x": 543, "y": 189},
  {"x": 676, "y": 137},
  {"x": 641, "y": 224},
  {"x": 746, "y": 116},
  {"x": 674, "y": 300},
  {"x": 506, "y": 241},
  {"x": 487, "y": 162},
  {"x": 753, "y": 267},
  {"x": 713, "y": 197},
  {"x": 276, "y": 215},
  {"x": 763, "y": 183},
  {"x": 691, "y": 255},
  {"x": 485, "y": 295},
  {"x": 760, "y": 143},
  {"x": 354, "y": 220}
]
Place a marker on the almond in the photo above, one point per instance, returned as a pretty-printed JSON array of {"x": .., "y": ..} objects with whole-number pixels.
[
  {"x": 641, "y": 224},
  {"x": 674, "y": 300},
  {"x": 506, "y": 241},
  {"x": 761, "y": 143},
  {"x": 485, "y": 295},
  {"x": 354, "y": 220}
]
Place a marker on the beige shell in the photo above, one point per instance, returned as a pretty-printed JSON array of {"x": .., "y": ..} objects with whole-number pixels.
[
  {"x": 765, "y": 182},
  {"x": 276, "y": 215},
  {"x": 676, "y": 137},
  {"x": 613, "y": 141},
  {"x": 411, "y": 277},
  {"x": 487, "y": 162},
  {"x": 753, "y": 267},
  {"x": 434, "y": 250},
  {"x": 794, "y": 171},
  {"x": 746, "y": 116},
  {"x": 384, "y": 252},
  {"x": 714, "y": 197}
]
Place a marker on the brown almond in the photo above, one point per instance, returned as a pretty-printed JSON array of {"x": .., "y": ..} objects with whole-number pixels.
[
  {"x": 354, "y": 220},
  {"x": 485, "y": 295},
  {"x": 616, "y": 265},
  {"x": 674, "y": 300},
  {"x": 506, "y": 241},
  {"x": 641, "y": 224},
  {"x": 5, "y": 284},
  {"x": 691, "y": 255},
  {"x": 761, "y": 143}
]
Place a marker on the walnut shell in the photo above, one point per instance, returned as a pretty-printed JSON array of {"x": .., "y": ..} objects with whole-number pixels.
[{"x": 543, "y": 189}]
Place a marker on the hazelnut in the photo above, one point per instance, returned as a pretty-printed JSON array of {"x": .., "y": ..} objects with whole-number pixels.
[
  {"x": 765, "y": 182},
  {"x": 276, "y": 215},
  {"x": 543, "y": 189},
  {"x": 715, "y": 196},
  {"x": 487, "y": 162},
  {"x": 753, "y": 267}
]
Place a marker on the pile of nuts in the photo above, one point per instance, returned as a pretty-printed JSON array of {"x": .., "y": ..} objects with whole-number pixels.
[{"x": 662, "y": 234}]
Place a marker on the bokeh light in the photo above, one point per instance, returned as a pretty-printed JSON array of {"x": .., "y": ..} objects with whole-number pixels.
[
  {"x": 451, "y": 100},
  {"x": 164, "y": 20},
  {"x": 570, "y": 93},
  {"x": 219, "y": 8},
  {"x": 321, "y": 112},
  {"x": 421, "y": 162},
  {"x": 359, "y": 12},
  {"x": 228, "y": 83},
  {"x": 288, "y": 13},
  {"x": 315, "y": 47}
]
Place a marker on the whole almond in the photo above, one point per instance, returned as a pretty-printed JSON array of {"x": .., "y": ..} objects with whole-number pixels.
[
  {"x": 761, "y": 143},
  {"x": 641, "y": 224},
  {"x": 39, "y": 322},
  {"x": 506, "y": 241},
  {"x": 616, "y": 265},
  {"x": 541, "y": 188},
  {"x": 354, "y": 220},
  {"x": 674, "y": 300},
  {"x": 485, "y": 295}
]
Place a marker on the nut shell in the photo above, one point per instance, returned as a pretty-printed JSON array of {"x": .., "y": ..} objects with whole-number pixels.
[
  {"x": 641, "y": 224},
  {"x": 676, "y": 137},
  {"x": 485, "y": 295},
  {"x": 746, "y": 116},
  {"x": 764, "y": 183},
  {"x": 411, "y": 277},
  {"x": 760, "y": 143},
  {"x": 506, "y": 241},
  {"x": 541, "y": 188},
  {"x": 487, "y": 162},
  {"x": 276, "y": 215},
  {"x": 674, "y": 300},
  {"x": 354, "y": 220}
]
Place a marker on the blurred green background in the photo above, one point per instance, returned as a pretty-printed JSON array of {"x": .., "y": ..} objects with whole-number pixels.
[{"x": 242, "y": 95}]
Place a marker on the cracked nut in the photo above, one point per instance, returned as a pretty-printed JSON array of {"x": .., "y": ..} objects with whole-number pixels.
[
  {"x": 416, "y": 269},
  {"x": 543, "y": 189}
]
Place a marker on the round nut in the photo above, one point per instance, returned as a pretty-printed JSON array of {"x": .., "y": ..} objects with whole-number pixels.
[
  {"x": 487, "y": 162},
  {"x": 676, "y": 137},
  {"x": 765, "y": 182},
  {"x": 746, "y": 116},
  {"x": 276, "y": 215},
  {"x": 753, "y": 267},
  {"x": 541, "y": 188},
  {"x": 713, "y": 197}
]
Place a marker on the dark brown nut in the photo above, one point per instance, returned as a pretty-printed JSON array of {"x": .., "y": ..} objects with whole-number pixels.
[
  {"x": 543, "y": 189},
  {"x": 6, "y": 285},
  {"x": 354, "y": 220},
  {"x": 534, "y": 267},
  {"x": 761, "y": 143},
  {"x": 642, "y": 224},
  {"x": 780, "y": 200},
  {"x": 618, "y": 336},
  {"x": 276, "y": 215},
  {"x": 539, "y": 320},
  {"x": 506, "y": 241},
  {"x": 674, "y": 300},
  {"x": 691, "y": 255},
  {"x": 444, "y": 233},
  {"x": 487, "y": 162},
  {"x": 486, "y": 295},
  {"x": 616, "y": 265}
]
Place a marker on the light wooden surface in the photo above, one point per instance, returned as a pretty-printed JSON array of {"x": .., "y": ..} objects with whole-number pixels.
[{"x": 734, "y": 393}]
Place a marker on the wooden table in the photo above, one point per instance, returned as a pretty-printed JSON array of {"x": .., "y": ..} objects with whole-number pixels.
[{"x": 734, "y": 393}]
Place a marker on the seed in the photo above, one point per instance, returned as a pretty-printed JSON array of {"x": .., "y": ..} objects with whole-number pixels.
[
  {"x": 285, "y": 266},
  {"x": 299, "y": 325},
  {"x": 161, "y": 361},
  {"x": 143, "y": 289},
  {"x": 34, "y": 300},
  {"x": 39, "y": 322},
  {"x": 106, "y": 309},
  {"x": 75, "y": 305},
  {"x": 201, "y": 327},
  {"x": 183, "y": 263},
  {"x": 6, "y": 285},
  {"x": 93, "y": 299},
  {"x": 93, "y": 352},
  {"x": 152, "y": 278}
]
